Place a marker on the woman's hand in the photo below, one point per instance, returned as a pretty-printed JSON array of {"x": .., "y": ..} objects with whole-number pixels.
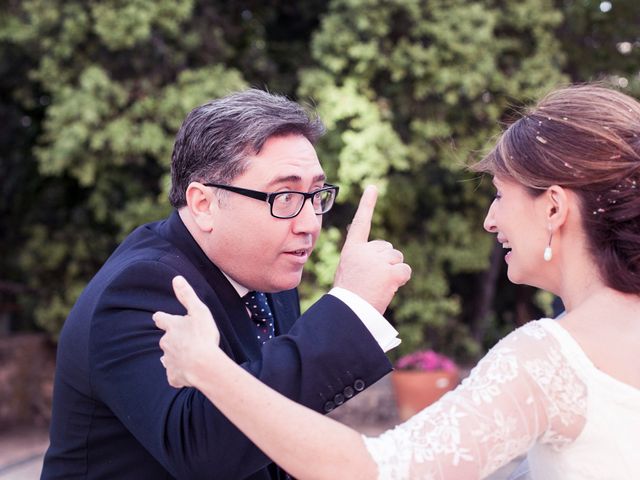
[{"x": 189, "y": 340}]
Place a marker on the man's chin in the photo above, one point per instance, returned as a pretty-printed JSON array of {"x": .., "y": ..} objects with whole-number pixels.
[{"x": 288, "y": 282}]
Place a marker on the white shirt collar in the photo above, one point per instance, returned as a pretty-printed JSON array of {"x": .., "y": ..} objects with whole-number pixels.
[{"x": 241, "y": 289}]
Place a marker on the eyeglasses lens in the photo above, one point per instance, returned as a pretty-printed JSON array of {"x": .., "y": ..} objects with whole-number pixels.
[{"x": 289, "y": 204}]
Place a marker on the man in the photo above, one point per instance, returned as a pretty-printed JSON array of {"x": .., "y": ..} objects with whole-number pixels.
[{"x": 249, "y": 194}]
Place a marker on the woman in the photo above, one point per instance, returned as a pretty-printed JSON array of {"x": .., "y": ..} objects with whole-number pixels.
[{"x": 567, "y": 392}]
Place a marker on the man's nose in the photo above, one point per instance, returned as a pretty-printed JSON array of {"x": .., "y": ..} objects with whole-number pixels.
[{"x": 307, "y": 220}]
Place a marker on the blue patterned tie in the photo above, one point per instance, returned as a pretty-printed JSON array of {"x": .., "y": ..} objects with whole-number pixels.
[{"x": 261, "y": 315}]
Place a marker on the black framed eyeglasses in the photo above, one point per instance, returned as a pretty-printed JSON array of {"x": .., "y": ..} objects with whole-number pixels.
[{"x": 289, "y": 203}]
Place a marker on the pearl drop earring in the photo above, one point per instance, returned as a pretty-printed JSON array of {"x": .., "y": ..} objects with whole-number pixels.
[{"x": 548, "y": 253}]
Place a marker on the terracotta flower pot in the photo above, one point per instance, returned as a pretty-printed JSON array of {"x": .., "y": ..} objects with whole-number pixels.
[{"x": 415, "y": 389}]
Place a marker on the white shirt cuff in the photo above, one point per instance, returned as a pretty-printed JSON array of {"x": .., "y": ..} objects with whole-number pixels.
[{"x": 378, "y": 326}]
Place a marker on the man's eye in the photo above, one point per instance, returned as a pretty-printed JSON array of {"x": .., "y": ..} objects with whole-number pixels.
[{"x": 285, "y": 198}]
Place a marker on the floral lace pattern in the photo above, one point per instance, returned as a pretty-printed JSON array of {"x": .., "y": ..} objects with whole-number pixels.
[{"x": 522, "y": 392}]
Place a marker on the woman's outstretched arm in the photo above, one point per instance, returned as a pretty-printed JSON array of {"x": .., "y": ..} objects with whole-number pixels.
[
  {"x": 192, "y": 358},
  {"x": 524, "y": 391}
]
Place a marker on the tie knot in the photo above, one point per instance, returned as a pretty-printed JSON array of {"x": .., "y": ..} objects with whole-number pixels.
[
  {"x": 257, "y": 304},
  {"x": 261, "y": 315}
]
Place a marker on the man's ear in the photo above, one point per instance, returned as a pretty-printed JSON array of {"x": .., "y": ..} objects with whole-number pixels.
[
  {"x": 557, "y": 206},
  {"x": 201, "y": 203}
]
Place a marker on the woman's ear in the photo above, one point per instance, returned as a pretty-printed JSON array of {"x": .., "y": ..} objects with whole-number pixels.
[
  {"x": 557, "y": 206},
  {"x": 200, "y": 205}
]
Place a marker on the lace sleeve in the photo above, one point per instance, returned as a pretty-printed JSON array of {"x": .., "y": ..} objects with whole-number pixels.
[{"x": 521, "y": 392}]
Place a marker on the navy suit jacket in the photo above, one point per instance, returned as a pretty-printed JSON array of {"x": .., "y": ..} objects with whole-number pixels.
[{"x": 114, "y": 414}]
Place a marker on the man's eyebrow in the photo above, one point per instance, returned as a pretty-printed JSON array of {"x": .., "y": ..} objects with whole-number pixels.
[{"x": 296, "y": 178}]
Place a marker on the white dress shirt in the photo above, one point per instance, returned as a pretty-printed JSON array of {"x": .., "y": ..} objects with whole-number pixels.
[{"x": 381, "y": 330}]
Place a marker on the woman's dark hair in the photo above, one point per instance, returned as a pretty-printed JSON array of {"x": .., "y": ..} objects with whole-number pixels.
[{"x": 585, "y": 138}]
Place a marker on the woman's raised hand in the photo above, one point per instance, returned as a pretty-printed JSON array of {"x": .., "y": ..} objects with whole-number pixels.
[{"x": 189, "y": 339}]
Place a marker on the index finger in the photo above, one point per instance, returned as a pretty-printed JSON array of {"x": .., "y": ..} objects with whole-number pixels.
[{"x": 361, "y": 224}]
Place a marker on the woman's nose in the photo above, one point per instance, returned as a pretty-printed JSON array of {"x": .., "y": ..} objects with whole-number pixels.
[{"x": 489, "y": 221}]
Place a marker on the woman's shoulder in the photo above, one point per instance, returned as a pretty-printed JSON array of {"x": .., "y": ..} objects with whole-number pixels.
[
  {"x": 533, "y": 347},
  {"x": 540, "y": 348},
  {"x": 549, "y": 338},
  {"x": 540, "y": 333}
]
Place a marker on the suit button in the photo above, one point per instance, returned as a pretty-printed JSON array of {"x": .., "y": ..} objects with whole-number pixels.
[
  {"x": 348, "y": 392},
  {"x": 338, "y": 399},
  {"x": 358, "y": 385},
  {"x": 329, "y": 406}
]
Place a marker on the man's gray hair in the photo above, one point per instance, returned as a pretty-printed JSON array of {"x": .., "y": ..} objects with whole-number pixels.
[{"x": 216, "y": 138}]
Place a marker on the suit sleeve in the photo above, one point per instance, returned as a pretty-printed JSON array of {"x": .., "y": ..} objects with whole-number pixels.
[{"x": 326, "y": 357}]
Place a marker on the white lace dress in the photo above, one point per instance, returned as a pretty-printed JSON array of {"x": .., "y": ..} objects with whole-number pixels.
[{"x": 536, "y": 391}]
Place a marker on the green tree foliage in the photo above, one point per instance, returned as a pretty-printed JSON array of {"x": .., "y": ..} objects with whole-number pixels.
[
  {"x": 92, "y": 93},
  {"x": 20, "y": 181},
  {"x": 601, "y": 41},
  {"x": 410, "y": 92},
  {"x": 118, "y": 77}
]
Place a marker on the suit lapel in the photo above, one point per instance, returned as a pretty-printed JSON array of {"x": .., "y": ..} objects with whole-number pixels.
[
  {"x": 238, "y": 337},
  {"x": 285, "y": 307},
  {"x": 237, "y": 331}
]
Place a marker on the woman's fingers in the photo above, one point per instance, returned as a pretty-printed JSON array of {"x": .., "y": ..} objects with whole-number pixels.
[
  {"x": 187, "y": 338},
  {"x": 187, "y": 296},
  {"x": 189, "y": 300},
  {"x": 164, "y": 320}
]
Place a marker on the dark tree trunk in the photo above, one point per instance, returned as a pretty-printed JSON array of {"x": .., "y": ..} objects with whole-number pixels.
[{"x": 486, "y": 294}]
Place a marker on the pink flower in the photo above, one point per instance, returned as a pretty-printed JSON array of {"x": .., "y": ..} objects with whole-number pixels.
[{"x": 426, "y": 360}]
